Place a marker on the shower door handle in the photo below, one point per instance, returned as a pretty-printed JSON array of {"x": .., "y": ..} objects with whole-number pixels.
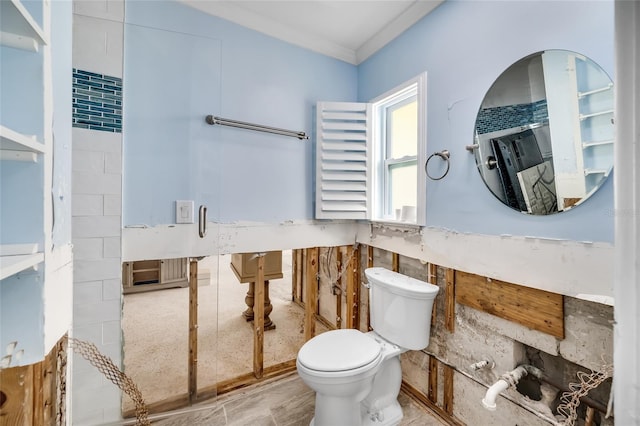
[{"x": 202, "y": 221}]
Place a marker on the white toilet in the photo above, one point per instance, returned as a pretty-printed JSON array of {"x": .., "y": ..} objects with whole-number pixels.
[{"x": 356, "y": 375}]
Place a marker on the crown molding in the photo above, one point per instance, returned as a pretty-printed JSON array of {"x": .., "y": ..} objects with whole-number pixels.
[
  {"x": 396, "y": 27},
  {"x": 254, "y": 21}
]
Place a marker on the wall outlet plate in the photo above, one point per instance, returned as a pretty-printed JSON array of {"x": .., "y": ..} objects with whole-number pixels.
[{"x": 184, "y": 211}]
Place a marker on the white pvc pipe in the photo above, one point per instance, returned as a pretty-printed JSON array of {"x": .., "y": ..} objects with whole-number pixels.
[
  {"x": 507, "y": 379},
  {"x": 489, "y": 400}
]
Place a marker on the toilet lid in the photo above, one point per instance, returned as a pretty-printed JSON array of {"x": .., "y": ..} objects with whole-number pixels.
[{"x": 339, "y": 350}]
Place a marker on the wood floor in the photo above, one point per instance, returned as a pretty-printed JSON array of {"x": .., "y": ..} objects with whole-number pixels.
[{"x": 286, "y": 401}]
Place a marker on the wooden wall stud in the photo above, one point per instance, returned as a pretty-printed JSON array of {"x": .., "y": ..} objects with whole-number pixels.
[
  {"x": 258, "y": 320},
  {"x": 433, "y": 380},
  {"x": 311, "y": 290},
  {"x": 447, "y": 403},
  {"x": 450, "y": 300},
  {"x": 193, "y": 330}
]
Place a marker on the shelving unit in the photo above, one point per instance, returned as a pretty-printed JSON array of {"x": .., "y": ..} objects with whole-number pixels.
[
  {"x": 148, "y": 275},
  {"x": 19, "y": 30},
  {"x": 18, "y": 147},
  {"x": 25, "y": 183},
  {"x": 595, "y": 108}
]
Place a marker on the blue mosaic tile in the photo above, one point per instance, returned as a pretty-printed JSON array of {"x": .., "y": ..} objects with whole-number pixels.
[
  {"x": 509, "y": 116},
  {"x": 97, "y": 101}
]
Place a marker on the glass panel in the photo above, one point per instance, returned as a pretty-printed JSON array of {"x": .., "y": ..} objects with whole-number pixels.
[
  {"x": 207, "y": 365},
  {"x": 403, "y": 130},
  {"x": 155, "y": 323},
  {"x": 403, "y": 180}
]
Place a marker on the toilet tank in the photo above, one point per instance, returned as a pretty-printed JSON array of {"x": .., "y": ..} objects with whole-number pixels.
[{"x": 400, "y": 307}]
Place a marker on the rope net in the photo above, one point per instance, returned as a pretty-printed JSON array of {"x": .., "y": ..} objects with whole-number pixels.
[
  {"x": 570, "y": 401},
  {"x": 105, "y": 365}
]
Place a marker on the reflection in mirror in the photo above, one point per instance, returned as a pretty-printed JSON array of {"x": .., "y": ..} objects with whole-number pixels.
[{"x": 544, "y": 132}]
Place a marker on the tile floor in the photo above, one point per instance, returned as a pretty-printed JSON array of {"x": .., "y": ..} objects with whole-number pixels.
[{"x": 284, "y": 402}]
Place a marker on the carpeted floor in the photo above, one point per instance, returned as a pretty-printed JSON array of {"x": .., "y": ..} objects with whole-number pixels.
[{"x": 156, "y": 326}]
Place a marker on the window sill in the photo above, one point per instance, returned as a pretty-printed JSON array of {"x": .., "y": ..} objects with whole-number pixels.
[{"x": 396, "y": 225}]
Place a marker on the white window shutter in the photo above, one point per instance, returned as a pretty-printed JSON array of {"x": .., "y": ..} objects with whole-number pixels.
[{"x": 343, "y": 160}]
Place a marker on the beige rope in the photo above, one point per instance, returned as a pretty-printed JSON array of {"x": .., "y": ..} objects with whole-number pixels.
[{"x": 105, "y": 365}]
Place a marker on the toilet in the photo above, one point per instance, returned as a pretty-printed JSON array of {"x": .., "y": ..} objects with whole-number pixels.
[{"x": 356, "y": 375}]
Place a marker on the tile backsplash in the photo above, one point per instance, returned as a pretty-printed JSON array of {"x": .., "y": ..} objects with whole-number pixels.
[
  {"x": 97, "y": 101},
  {"x": 510, "y": 116}
]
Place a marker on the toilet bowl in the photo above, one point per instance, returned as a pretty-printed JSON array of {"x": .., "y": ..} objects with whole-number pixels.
[
  {"x": 344, "y": 380},
  {"x": 356, "y": 375}
]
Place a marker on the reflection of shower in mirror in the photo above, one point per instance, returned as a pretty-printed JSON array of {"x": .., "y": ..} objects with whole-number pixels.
[{"x": 544, "y": 132}]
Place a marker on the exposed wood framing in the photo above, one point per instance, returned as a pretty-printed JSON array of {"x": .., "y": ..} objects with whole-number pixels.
[
  {"x": 432, "y": 278},
  {"x": 352, "y": 286},
  {"x": 311, "y": 289},
  {"x": 338, "y": 292},
  {"x": 30, "y": 392},
  {"x": 193, "y": 330},
  {"x": 369, "y": 265},
  {"x": 421, "y": 398},
  {"x": 450, "y": 300},
  {"x": 395, "y": 262},
  {"x": 295, "y": 274},
  {"x": 447, "y": 403},
  {"x": 537, "y": 309},
  {"x": 433, "y": 380},
  {"x": 258, "y": 320}
]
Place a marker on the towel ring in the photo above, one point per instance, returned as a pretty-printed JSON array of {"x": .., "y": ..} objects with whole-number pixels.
[{"x": 444, "y": 154}]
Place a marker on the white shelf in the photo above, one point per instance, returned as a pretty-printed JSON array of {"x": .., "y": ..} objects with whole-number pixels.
[
  {"x": 596, "y": 143},
  {"x": 595, "y": 114},
  {"x": 588, "y": 172},
  {"x": 594, "y": 91},
  {"x": 19, "y": 29},
  {"x": 11, "y": 265},
  {"x": 11, "y": 140}
]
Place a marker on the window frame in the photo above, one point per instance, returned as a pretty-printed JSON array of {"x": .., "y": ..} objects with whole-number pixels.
[{"x": 381, "y": 105}]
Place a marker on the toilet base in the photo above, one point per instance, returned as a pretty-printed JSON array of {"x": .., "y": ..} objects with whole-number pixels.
[{"x": 391, "y": 416}]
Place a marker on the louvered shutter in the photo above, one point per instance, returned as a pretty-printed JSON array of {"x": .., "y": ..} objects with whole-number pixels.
[{"x": 343, "y": 160}]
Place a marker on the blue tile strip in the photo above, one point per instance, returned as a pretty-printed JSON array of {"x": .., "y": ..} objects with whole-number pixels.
[
  {"x": 506, "y": 117},
  {"x": 97, "y": 101}
]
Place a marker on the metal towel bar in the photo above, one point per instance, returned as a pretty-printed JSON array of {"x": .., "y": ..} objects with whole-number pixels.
[{"x": 210, "y": 119}]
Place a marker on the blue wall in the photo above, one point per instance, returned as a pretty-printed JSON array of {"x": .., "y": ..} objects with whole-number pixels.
[
  {"x": 244, "y": 75},
  {"x": 181, "y": 65},
  {"x": 464, "y": 46}
]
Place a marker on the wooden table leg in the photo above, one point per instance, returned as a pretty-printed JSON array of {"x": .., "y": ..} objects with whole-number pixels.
[{"x": 249, "y": 299}]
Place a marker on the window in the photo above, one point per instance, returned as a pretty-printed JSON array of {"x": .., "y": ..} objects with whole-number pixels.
[
  {"x": 368, "y": 157},
  {"x": 395, "y": 145}
]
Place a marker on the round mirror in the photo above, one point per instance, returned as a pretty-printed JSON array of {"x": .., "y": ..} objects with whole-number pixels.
[{"x": 544, "y": 132}]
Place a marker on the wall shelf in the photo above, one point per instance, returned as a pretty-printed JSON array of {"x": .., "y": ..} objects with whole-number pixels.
[
  {"x": 597, "y": 143},
  {"x": 15, "y": 146},
  {"x": 588, "y": 172},
  {"x": 11, "y": 265},
  {"x": 595, "y": 114},
  {"x": 19, "y": 29},
  {"x": 593, "y": 92},
  {"x": 16, "y": 258}
]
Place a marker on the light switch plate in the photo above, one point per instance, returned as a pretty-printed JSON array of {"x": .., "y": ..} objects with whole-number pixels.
[{"x": 184, "y": 211}]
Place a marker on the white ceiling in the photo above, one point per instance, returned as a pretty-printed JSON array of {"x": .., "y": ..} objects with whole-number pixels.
[{"x": 349, "y": 30}]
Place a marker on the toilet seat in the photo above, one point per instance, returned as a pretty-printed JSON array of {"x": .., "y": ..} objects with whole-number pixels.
[{"x": 339, "y": 351}]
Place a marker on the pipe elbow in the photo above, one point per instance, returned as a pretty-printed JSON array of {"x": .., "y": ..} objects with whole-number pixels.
[
  {"x": 507, "y": 379},
  {"x": 489, "y": 400}
]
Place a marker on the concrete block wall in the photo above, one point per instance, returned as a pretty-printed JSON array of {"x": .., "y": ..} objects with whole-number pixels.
[
  {"x": 588, "y": 345},
  {"x": 96, "y": 220}
]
